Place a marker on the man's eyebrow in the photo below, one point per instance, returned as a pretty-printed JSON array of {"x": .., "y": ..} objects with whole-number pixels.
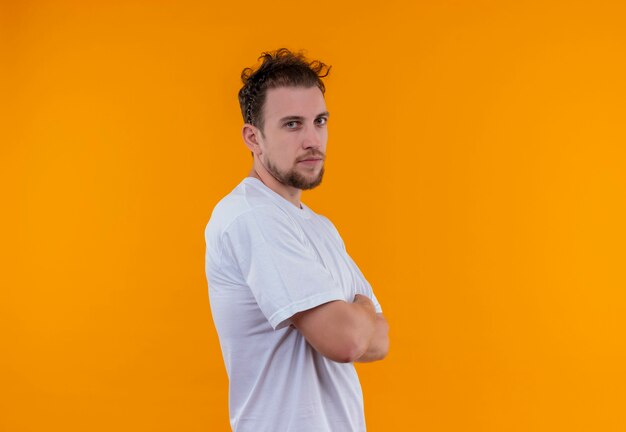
[{"x": 300, "y": 118}]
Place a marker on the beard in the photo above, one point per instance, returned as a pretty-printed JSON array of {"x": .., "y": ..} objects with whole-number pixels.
[{"x": 293, "y": 178}]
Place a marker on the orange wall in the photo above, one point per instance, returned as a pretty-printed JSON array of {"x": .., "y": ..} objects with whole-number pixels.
[{"x": 476, "y": 171}]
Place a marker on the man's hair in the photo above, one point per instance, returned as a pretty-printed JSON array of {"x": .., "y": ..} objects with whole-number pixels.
[{"x": 280, "y": 68}]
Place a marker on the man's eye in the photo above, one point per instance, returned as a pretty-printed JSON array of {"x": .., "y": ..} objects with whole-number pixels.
[
  {"x": 291, "y": 124},
  {"x": 322, "y": 120}
]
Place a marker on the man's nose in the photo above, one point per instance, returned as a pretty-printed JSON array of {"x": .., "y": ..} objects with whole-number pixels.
[{"x": 312, "y": 138}]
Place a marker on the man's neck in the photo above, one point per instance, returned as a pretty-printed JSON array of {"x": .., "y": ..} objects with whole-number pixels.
[{"x": 291, "y": 194}]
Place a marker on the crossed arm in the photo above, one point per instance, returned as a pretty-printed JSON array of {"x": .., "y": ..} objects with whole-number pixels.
[{"x": 345, "y": 332}]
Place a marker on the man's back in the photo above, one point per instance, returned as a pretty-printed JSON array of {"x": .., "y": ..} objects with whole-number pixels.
[{"x": 267, "y": 260}]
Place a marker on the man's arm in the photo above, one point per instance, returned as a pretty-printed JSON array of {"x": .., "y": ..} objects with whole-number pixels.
[
  {"x": 379, "y": 344},
  {"x": 338, "y": 330}
]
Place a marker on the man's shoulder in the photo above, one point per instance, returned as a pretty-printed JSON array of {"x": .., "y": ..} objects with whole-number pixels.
[
  {"x": 231, "y": 205},
  {"x": 246, "y": 201}
]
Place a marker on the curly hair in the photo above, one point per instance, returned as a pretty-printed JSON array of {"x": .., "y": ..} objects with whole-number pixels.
[{"x": 280, "y": 68}]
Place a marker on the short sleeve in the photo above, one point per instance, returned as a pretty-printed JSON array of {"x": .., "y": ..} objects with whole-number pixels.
[
  {"x": 280, "y": 267},
  {"x": 366, "y": 289}
]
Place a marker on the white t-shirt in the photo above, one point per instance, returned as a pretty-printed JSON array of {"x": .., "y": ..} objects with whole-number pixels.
[{"x": 266, "y": 260}]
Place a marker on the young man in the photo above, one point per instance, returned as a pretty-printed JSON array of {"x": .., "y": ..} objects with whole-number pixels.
[{"x": 291, "y": 308}]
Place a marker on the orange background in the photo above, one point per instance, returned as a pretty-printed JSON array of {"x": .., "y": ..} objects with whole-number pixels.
[{"x": 476, "y": 171}]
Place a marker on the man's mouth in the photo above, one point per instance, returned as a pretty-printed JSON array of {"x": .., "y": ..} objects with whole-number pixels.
[
  {"x": 311, "y": 161},
  {"x": 312, "y": 158}
]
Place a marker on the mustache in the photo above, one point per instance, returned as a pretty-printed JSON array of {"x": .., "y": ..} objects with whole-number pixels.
[{"x": 313, "y": 155}]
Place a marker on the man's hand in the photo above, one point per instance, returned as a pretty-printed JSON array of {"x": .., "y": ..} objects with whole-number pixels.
[
  {"x": 366, "y": 303},
  {"x": 379, "y": 344}
]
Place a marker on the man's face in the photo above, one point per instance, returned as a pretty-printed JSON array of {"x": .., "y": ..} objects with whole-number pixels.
[{"x": 293, "y": 146}]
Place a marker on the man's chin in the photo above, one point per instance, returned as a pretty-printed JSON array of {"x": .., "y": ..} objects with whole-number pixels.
[
  {"x": 304, "y": 183},
  {"x": 299, "y": 180},
  {"x": 310, "y": 186},
  {"x": 312, "y": 183}
]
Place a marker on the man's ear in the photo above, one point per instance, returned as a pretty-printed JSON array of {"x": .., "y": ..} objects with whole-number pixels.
[{"x": 250, "y": 137}]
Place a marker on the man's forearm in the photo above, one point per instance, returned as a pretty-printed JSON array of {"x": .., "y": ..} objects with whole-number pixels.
[
  {"x": 338, "y": 330},
  {"x": 379, "y": 344}
]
